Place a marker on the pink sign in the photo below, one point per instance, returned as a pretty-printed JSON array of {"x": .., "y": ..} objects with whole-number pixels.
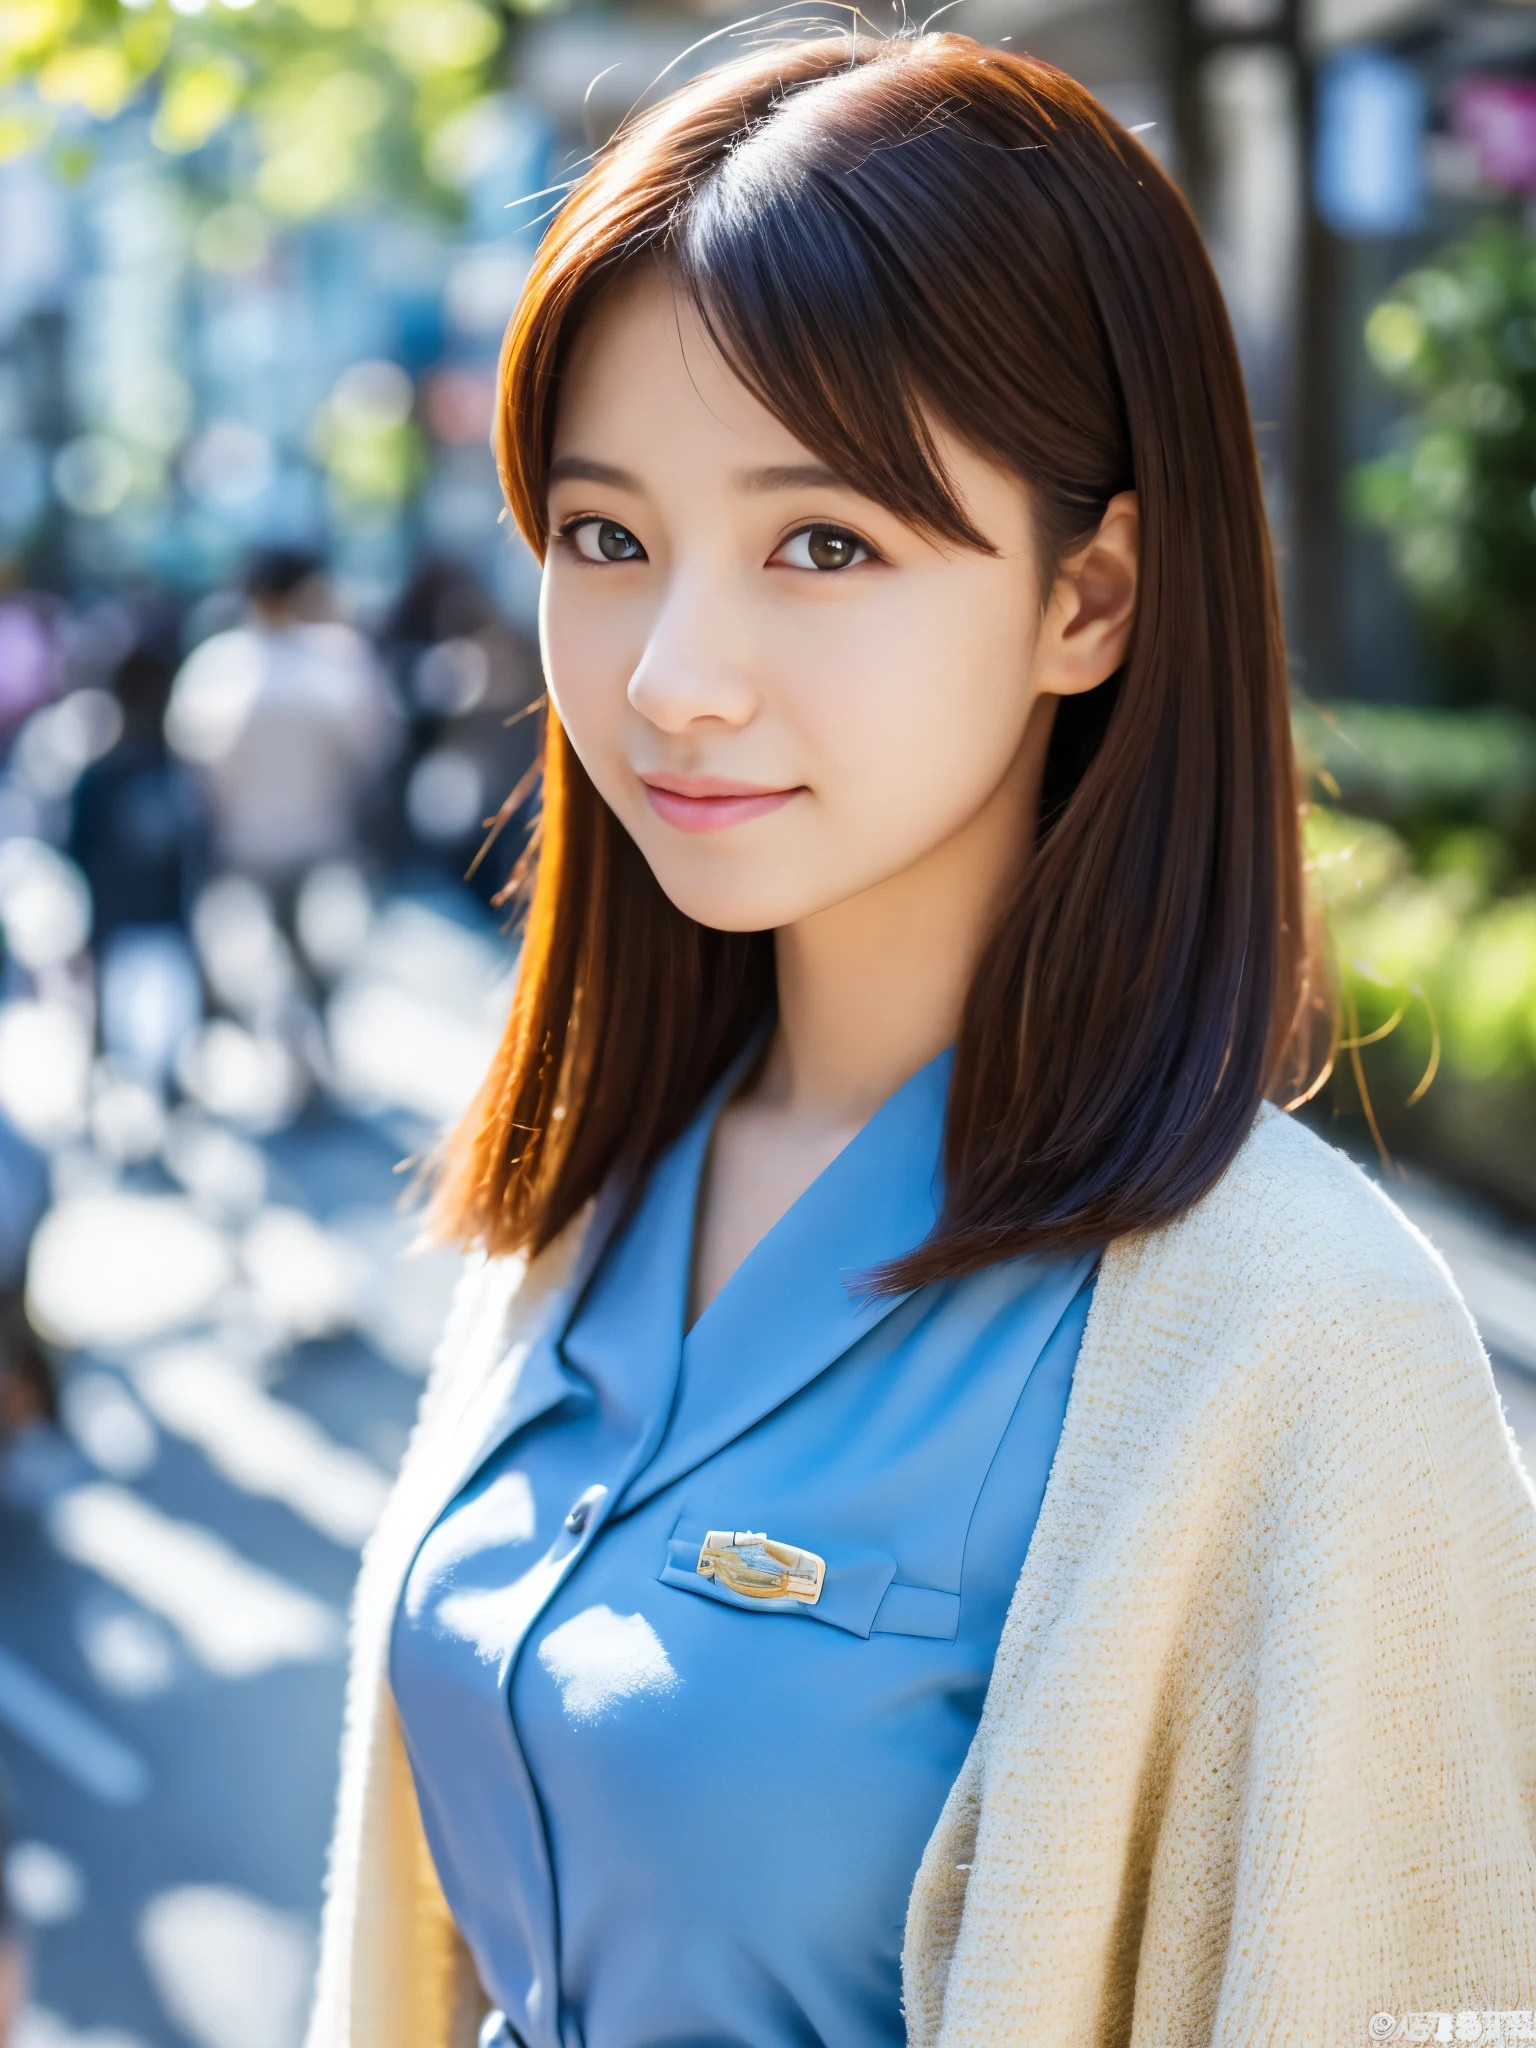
[{"x": 1497, "y": 118}]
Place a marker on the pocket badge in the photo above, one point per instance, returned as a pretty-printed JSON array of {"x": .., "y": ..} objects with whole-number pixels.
[{"x": 758, "y": 1569}]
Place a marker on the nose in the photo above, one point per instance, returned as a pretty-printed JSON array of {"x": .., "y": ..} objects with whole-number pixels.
[{"x": 694, "y": 663}]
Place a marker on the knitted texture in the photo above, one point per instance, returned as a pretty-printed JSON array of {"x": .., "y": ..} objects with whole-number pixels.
[{"x": 1258, "y": 1757}]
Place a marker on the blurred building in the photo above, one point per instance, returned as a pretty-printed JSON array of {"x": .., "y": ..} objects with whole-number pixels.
[{"x": 181, "y": 379}]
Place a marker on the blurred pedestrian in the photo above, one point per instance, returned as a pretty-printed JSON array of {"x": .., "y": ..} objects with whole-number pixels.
[
  {"x": 139, "y": 826},
  {"x": 139, "y": 834},
  {"x": 291, "y": 721}
]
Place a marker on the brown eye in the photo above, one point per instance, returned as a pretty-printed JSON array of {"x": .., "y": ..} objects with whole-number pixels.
[
  {"x": 829, "y": 550},
  {"x": 604, "y": 540},
  {"x": 822, "y": 547}
]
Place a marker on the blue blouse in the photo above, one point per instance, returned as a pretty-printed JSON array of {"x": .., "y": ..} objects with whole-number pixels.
[{"x": 665, "y": 1810}]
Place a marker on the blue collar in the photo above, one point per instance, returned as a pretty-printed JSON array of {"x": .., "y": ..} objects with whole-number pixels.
[{"x": 796, "y": 1303}]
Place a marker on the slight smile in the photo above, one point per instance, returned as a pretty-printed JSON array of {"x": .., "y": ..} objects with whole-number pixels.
[{"x": 710, "y": 803}]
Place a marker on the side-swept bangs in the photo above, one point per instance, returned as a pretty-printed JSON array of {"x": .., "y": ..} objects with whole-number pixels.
[{"x": 878, "y": 235}]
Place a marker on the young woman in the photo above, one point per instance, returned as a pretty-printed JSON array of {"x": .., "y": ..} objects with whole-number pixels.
[{"x": 941, "y": 1516}]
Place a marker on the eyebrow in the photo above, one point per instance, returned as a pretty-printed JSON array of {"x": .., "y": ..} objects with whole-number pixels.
[
  {"x": 794, "y": 476},
  {"x": 580, "y": 469},
  {"x": 790, "y": 476}
]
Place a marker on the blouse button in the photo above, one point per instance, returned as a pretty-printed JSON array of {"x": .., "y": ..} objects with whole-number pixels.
[{"x": 581, "y": 1510}]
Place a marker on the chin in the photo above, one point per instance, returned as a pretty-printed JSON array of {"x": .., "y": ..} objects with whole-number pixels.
[
  {"x": 728, "y": 910},
  {"x": 729, "y": 895}
]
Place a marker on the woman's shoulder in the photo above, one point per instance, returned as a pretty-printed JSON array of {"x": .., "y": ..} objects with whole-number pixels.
[
  {"x": 1297, "y": 1258},
  {"x": 1295, "y": 1315},
  {"x": 1294, "y": 1218}
]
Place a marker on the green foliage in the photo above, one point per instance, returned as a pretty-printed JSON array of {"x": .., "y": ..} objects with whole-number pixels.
[
  {"x": 1431, "y": 957},
  {"x": 1412, "y": 767},
  {"x": 338, "y": 97},
  {"x": 1456, "y": 496},
  {"x": 1431, "y": 902}
]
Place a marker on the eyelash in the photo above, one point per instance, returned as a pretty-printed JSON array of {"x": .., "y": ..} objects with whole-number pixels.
[
  {"x": 566, "y": 534},
  {"x": 845, "y": 533}
]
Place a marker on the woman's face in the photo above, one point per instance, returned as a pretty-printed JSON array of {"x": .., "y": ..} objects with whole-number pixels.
[{"x": 786, "y": 695}]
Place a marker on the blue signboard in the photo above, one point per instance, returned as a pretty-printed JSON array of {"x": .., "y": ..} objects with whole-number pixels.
[{"x": 1369, "y": 160}]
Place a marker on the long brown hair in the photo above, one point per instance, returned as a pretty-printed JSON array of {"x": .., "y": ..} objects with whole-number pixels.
[{"x": 876, "y": 233}]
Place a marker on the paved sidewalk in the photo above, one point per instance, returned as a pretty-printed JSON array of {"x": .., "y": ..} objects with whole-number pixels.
[{"x": 175, "y": 1568}]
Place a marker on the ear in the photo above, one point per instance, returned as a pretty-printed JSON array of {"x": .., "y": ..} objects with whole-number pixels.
[{"x": 1092, "y": 606}]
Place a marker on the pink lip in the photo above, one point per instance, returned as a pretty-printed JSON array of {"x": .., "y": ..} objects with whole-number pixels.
[{"x": 710, "y": 803}]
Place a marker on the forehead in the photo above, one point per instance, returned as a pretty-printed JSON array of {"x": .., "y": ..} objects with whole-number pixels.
[
  {"x": 644, "y": 376},
  {"x": 645, "y": 392}
]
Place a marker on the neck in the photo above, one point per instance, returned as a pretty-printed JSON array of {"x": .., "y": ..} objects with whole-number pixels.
[{"x": 872, "y": 988}]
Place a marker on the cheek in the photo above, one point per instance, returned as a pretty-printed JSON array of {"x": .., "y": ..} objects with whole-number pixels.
[
  {"x": 588, "y": 661},
  {"x": 916, "y": 713}
]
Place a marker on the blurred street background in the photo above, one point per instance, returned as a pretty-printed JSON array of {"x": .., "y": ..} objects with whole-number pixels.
[{"x": 265, "y": 652}]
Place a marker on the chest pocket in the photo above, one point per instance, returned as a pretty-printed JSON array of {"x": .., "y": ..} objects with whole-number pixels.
[{"x": 859, "y": 1592}]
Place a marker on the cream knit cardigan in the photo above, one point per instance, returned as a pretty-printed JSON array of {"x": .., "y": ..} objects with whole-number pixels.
[{"x": 1258, "y": 1758}]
